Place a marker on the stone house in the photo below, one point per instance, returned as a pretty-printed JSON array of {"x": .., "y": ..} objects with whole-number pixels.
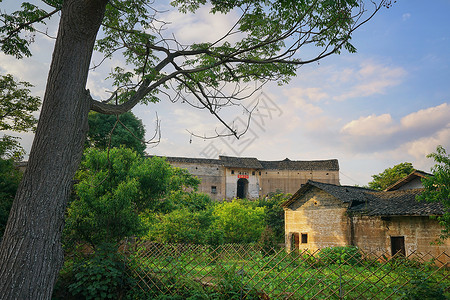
[
  {"x": 247, "y": 177},
  {"x": 321, "y": 215}
]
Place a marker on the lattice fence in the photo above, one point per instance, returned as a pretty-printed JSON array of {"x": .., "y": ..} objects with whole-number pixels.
[{"x": 250, "y": 272}]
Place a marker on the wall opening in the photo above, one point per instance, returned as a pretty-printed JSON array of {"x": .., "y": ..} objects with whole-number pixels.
[
  {"x": 304, "y": 238},
  {"x": 242, "y": 188},
  {"x": 295, "y": 241},
  {"x": 398, "y": 245}
]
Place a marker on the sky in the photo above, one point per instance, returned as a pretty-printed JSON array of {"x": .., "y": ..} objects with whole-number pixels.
[{"x": 389, "y": 103}]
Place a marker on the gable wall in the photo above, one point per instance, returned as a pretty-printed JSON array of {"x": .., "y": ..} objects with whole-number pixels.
[
  {"x": 416, "y": 183},
  {"x": 373, "y": 234},
  {"x": 322, "y": 217}
]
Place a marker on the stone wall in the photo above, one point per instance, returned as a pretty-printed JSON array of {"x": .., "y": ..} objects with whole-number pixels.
[
  {"x": 289, "y": 181},
  {"x": 373, "y": 234},
  {"x": 322, "y": 217},
  {"x": 211, "y": 175}
]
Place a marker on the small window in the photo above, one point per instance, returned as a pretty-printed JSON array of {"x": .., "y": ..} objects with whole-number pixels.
[
  {"x": 213, "y": 189},
  {"x": 304, "y": 238},
  {"x": 232, "y": 171},
  {"x": 259, "y": 173},
  {"x": 253, "y": 173}
]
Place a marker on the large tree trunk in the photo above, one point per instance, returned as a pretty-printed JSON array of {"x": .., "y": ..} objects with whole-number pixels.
[{"x": 31, "y": 253}]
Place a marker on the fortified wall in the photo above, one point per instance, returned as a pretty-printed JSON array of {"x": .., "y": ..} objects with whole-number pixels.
[{"x": 247, "y": 177}]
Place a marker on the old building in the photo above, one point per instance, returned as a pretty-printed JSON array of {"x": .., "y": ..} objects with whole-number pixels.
[
  {"x": 246, "y": 177},
  {"x": 323, "y": 215}
]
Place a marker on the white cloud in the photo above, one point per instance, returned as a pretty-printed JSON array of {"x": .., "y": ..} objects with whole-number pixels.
[
  {"x": 406, "y": 16},
  {"x": 370, "y": 126},
  {"x": 382, "y": 133},
  {"x": 369, "y": 79},
  {"x": 202, "y": 26},
  {"x": 433, "y": 117}
]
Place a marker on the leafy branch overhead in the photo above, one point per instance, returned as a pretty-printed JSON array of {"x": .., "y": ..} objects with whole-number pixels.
[{"x": 263, "y": 45}]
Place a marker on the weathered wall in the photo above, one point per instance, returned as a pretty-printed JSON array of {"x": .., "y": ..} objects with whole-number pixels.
[
  {"x": 414, "y": 184},
  {"x": 322, "y": 217},
  {"x": 289, "y": 181},
  {"x": 373, "y": 234},
  {"x": 209, "y": 174}
]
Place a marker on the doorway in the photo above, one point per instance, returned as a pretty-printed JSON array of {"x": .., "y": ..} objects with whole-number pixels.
[
  {"x": 242, "y": 188},
  {"x": 398, "y": 245}
]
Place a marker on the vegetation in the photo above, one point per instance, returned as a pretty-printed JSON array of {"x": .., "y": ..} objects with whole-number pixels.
[
  {"x": 16, "y": 114},
  {"x": 437, "y": 187},
  {"x": 110, "y": 131},
  {"x": 9, "y": 181},
  {"x": 390, "y": 176},
  {"x": 176, "y": 271},
  {"x": 114, "y": 186}
]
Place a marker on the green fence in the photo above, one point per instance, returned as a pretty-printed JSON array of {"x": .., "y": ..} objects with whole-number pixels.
[{"x": 251, "y": 272}]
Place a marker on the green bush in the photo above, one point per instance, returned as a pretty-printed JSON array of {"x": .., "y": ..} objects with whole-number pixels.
[
  {"x": 101, "y": 275},
  {"x": 421, "y": 286},
  {"x": 348, "y": 255}
]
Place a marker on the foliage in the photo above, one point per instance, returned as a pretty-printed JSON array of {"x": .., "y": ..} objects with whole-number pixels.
[
  {"x": 115, "y": 131},
  {"x": 10, "y": 148},
  {"x": 274, "y": 213},
  {"x": 100, "y": 275},
  {"x": 421, "y": 287},
  {"x": 390, "y": 176},
  {"x": 17, "y": 105},
  {"x": 240, "y": 223},
  {"x": 113, "y": 187},
  {"x": 9, "y": 181},
  {"x": 242, "y": 272},
  {"x": 16, "y": 114},
  {"x": 437, "y": 187},
  {"x": 182, "y": 226},
  {"x": 349, "y": 255},
  {"x": 268, "y": 242}
]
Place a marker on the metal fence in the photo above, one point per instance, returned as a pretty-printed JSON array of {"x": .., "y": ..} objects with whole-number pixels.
[{"x": 237, "y": 271}]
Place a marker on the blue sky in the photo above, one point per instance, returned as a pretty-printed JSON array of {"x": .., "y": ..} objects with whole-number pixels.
[{"x": 388, "y": 103}]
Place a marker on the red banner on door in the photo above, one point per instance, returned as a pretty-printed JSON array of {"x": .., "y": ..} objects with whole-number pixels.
[{"x": 242, "y": 176}]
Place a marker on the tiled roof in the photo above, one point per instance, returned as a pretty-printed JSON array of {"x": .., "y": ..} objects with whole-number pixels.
[
  {"x": 287, "y": 164},
  {"x": 348, "y": 194},
  {"x": 374, "y": 203},
  {"x": 240, "y": 162},
  {"x": 398, "y": 203},
  {"x": 194, "y": 160},
  {"x": 254, "y": 163},
  {"x": 414, "y": 174}
]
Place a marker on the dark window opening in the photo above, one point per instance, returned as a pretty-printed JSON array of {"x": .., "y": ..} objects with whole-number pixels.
[
  {"x": 253, "y": 173},
  {"x": 398, "y": 245},
  {"x": 259, "y": 173},
  {"x": 304, "y": 238},
  {"x": 213, "y": 189},
  {"x": 232, "y": 171}
]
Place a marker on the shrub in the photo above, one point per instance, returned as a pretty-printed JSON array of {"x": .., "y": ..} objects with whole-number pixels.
[
  {"x": 101, "y": 275},
  {"x": 348, "y": 255}
]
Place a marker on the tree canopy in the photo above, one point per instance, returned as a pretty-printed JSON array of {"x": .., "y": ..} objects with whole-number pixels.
[
  {"x": 390, "y": 176},
  {"x": 113, "y": 188},
  {"x": 16, "y": 114},
  {"x": 114, "y": 131},
  {"x": 437, "y": 187},
  {"x": 263, "y": 45}
]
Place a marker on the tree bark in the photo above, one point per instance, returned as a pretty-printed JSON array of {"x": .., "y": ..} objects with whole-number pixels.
[{"x": 30, "y": 253}]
